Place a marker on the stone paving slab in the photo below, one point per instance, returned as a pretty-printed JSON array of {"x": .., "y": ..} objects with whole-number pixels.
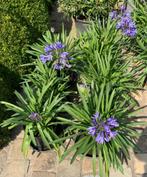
[
  {"x": 43, "y": 174},
  {"x": 127, "y": 172},
  {"x": 15, "y": 150},
  {"x": 46, "y": 161},
  {"x": 16, "y": 168},
  {"x": 140, "y": 163},
  {"x": 145, "y": 175},
  {"x": 65, "y": 169},
  {"x": 87, "y": 166}
]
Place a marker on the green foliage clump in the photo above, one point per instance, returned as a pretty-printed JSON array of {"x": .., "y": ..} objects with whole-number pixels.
[
  {"x": 140, "y": 42},
  {"x": 22, "y": 22},
  {"x": 92, "y": 9}
]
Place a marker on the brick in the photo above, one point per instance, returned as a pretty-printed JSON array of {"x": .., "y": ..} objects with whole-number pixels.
[
  {"x": 45, "y": 161},
  {"x": 43, "y": 174},
  {"x": 65, "y": 169},
  {"x": 140, "y": 163}
]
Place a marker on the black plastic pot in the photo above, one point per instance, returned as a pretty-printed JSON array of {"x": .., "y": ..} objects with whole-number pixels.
[{"x": 40, "y": 145}]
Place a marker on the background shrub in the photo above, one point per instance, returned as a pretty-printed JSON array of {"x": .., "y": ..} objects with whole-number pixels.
[{"x": 21, "y": 23}]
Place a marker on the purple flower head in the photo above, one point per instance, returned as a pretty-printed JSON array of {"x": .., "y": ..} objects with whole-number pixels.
[
  {"x": 45, "y": 58},
  {"x": 118, "y": 25},
  {"x": 64, "y": 54},
  {"x": 113, "y": 15},
  {"x": 122, "y": 8},
  {"x": 130, "y": 32},
  {"x": 49, "y": 48},
  {"x": 95, "y": 117},
  {"x": 126, "y": 25},
  {"x": 64, "y": 62},
  {"x": 106, "y": 128},
  {"x": 58, "y": 45},
  {"x": 113, "y": 134},
  {"x": 92, "y": 131},
  {"x": 34, "y": 116},
  {"x": 127, "y": 14},
  {"x": 112, "y": 122},
  {"x": 58, "y": 66},
  {"x": 100, "y": 138},
  {"x": 103, "y": 131}
]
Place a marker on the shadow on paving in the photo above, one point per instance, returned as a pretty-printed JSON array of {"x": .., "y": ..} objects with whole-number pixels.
[{"x": 141, "y": 152}]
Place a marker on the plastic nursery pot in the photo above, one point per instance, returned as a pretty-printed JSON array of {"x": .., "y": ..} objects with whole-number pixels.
[
  {"x": 40, "y": 145},
  {"x": 78, "y": 26},
  {"x": 58, "y": 130}
]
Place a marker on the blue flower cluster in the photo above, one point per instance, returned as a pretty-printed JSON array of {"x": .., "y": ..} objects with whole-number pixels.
[
  {"x": 127, "y": 26},
  {"x": 125, "y": 22},
  {"x": 63, "y": 57},
  {"x": 103, "y": 131},
  {"x": 34, "y": 116}
]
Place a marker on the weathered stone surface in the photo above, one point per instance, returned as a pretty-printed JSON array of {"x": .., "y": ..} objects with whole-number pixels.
[
  {"x": 127, "y": 172},
  {"x": 140, "y": 163},
  {"x": 3, "y": 157},
  {"x": 43, "y": 174},
  {"x": 45, "y": 161},
  {"x": 65, "y": 169},
  {"x": 87, "y": 166},
  {"x": 144, "y": 175},
  {"x": 15, "y": 150},
  {"x": 16, "y": 169},
  {"x": 90, "y": 176},
  {"x": 142, "y": 144}
]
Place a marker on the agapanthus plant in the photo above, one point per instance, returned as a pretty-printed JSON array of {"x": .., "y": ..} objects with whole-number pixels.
[
  {"x": 36, "y": 110},
  {"x": 103, "y": 126},
  {"x": 138, "y": 46},
  {"x": 55, "y": 55},
  {"x": 103, "y": 61}
]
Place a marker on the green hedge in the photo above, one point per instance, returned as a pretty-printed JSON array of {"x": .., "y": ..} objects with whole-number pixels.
[{"x": 22, "y": 22}]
